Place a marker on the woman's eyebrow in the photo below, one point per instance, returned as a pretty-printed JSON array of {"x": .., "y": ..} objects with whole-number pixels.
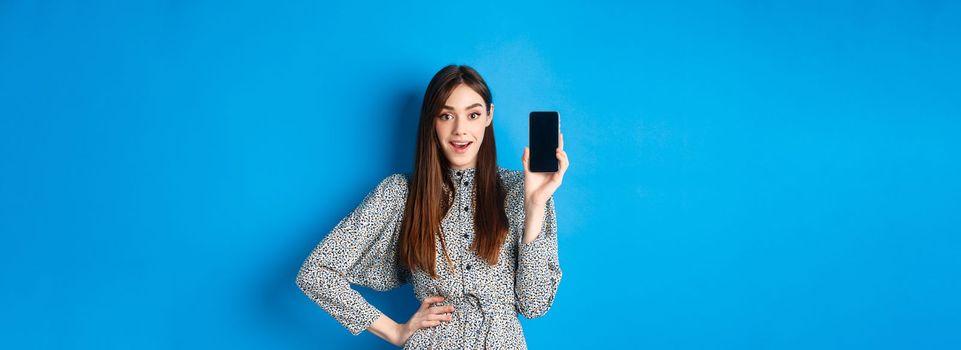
[{"x": 468, "y": 107}]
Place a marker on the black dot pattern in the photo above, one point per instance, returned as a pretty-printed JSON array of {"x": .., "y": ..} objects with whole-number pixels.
[{"x": 361, "y": 250}]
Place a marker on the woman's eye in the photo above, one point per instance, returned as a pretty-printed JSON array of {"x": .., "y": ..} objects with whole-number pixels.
[
  {"x": 472, "y": 116},
  {"x": 445, "y": 117}
]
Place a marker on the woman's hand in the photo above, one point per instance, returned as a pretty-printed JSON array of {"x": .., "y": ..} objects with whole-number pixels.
[
  {"x": 426, "y": 316},
  {"x": 538, "y": 187}
]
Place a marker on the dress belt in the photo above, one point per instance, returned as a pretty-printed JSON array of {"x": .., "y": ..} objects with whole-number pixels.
[{"x": 487, "y": 307}]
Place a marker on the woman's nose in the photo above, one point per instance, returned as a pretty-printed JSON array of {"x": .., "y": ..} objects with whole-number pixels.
[{"x": 457, "y": 125}]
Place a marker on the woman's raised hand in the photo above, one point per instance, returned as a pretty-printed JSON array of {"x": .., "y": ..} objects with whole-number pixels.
[
  {"x": 538, "y": 187},
  {"x": 426, "y": 316}
]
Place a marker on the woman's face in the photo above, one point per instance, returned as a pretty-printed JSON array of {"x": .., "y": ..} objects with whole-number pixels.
[{"x": 460, "y": 126}]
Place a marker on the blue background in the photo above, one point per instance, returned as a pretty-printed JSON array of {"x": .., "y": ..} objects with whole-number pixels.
[{"x": 744, "y": 175}]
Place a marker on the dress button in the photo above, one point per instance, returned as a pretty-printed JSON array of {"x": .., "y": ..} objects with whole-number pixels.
[
  {"x": 468, "y": 266},
  {"x": 466, "y": 208},
  {"x": 465, "y": 183},
  {"x": 466, "y": 236}
]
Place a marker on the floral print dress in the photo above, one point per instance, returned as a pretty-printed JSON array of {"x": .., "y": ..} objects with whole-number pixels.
[{"x": 361, "y": 250}]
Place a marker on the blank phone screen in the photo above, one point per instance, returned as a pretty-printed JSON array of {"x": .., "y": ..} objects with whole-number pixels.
[{"x": 543, "y": 141}]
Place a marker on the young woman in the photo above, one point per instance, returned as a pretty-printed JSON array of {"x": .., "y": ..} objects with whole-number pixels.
[{"x": 477, "y": 241}]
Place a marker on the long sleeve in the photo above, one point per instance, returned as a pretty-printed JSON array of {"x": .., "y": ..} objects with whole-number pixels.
[
  {"x": 538, "y": 270},
  {"x": 360, "y": 250}
]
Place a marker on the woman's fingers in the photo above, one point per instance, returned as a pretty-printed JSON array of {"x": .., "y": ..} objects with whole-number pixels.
[
  {"x": 561, "y": 155},
  {"x": 430, "y": 316},
  {"x": 524, "y": 159},
  {"x": 427, "y": 301},
  {"x": 439, "y": 317},
  {"x": 562, "y": 158},
  {"x": 442, "y": 309},
  {"x": 430, "y": 300}
]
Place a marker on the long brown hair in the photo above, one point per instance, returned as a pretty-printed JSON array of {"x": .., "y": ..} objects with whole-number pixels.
[{"x": 430, "y": 190}]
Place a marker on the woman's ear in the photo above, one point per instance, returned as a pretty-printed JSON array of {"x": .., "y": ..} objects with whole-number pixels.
[{"x": 490, "y": 116}]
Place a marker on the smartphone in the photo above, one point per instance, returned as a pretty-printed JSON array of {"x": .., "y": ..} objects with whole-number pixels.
[{"x": 543, "y": 141}]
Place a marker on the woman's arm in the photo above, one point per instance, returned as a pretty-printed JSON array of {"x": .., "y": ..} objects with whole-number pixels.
[
  {"x": 533, "y": 220},
  {"x": 426, "y": 316},
  {"x": 359, "y": 250},
  {"x": 538, "y": 270},
  {"x": 385, "y": 328}
]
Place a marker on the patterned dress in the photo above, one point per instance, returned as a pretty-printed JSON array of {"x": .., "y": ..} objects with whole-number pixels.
[{"x": 360, "y": 250}]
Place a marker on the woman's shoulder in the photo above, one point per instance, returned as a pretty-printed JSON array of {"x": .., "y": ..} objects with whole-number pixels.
[
  {"x": 396, "y": 179},
  {"x": 512, "y": 180},
  {"x": 394, "y": 185}
]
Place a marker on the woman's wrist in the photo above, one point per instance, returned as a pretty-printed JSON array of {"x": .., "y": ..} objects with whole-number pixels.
[
  {"x": 403, "y": 332},
  {"x": 533, "y": 220},
  {"x": 392, "y": 332},
  {"x": 531, "y": 201}
]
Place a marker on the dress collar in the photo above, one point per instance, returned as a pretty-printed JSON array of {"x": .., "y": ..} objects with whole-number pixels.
[{"x": 463, "y": 177}]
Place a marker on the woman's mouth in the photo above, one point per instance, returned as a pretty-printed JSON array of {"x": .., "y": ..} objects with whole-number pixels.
[{"x": 460, "y": 147}]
